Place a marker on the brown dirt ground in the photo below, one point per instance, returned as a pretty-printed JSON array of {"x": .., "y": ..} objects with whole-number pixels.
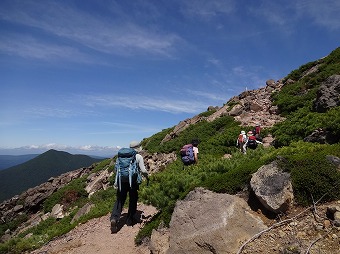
[{"x": 95, "y": 237}]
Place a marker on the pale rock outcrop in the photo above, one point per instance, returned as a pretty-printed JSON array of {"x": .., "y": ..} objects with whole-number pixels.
[
  {"x": 249, "y": 108},
  {"x": 328, "y": 95},
  {"x": 273, "y": 187},
  {"x": 98, "y": 181},
  {"x": 58, "y": 211},
  {"x": 208, "y": 222},
  {"x": 253, "y": 106},
  {"x": 182, "y": 126},
  {"x": 82, "y": 211},
  {"x": 157, "y": 161}
]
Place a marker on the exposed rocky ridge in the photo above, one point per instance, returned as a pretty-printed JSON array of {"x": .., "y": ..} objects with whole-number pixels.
[
  {"x": 255, "y": 107},
  {"x": 249, "y": 108}
]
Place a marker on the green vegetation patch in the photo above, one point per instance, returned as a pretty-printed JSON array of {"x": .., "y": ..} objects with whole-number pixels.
[
  {"x": 314, "y": 177},
  {"x": 71, "y": 194}
]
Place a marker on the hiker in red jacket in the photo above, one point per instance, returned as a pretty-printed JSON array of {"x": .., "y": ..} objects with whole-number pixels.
[{"x": 257, "y": 132}]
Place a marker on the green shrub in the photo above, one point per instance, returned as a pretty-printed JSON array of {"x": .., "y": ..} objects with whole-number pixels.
[
  {"x": 302, "y": 93},
  {"x": 312, "y": 175},
  {"x": 71, "y": 194},
  {"x": 303, "y": 122}
]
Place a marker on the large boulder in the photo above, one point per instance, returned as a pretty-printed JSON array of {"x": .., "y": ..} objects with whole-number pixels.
[
  {"x": 328, "y": 94},
  {"x": 273, "y": 188},
  {"x": 208, "y": 222}
]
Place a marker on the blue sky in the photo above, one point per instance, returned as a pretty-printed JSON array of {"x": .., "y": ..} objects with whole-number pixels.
[{"x": 89, "y": 76}]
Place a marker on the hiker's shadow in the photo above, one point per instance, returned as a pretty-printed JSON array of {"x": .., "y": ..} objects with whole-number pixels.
[{"x": 138, "y": 218}]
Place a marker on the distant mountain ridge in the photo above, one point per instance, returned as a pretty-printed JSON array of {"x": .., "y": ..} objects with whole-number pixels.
[
  {"x": 7, "y": 161},
  {"x": 19, "y": 178}
]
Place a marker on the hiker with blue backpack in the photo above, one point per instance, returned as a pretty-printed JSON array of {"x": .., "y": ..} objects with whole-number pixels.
[
  {"x": 129, "y": 170},
  {"x": 189, "y": 153}
]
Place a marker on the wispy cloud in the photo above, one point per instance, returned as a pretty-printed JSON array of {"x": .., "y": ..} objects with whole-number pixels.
[
  {"x": 144, "y": 103},
  {"x": 28, "y": 47},
  {"x": 248, "y": 75},
  {"x": 207, "y": 95},
  {"x": 112, "y": 36},
  {"x": 271, "y": 11},
  {"x": 207, "y": 9},
  {"x": 123, "y": 127},
  {"x": 324, "y": 13},
  {"x": 43, "y": 112}
]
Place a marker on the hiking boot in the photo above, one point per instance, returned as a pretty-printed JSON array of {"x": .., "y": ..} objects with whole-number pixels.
[
  {"x": 129, "y": 221},
  {"x": 113, "y": 226}
]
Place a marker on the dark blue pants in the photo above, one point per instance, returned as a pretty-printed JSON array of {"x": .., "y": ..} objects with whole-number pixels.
[{"x": 121, "y": 197}]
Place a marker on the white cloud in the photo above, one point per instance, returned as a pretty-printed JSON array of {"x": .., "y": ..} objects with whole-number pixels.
[
  {"x": 142, "y": 102},
  {"x": 109, "y": 35}
]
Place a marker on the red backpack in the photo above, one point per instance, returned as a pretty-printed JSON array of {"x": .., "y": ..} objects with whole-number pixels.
[
  {"x": 241, "y": 138},
  {"x": 252, "y": 142}
]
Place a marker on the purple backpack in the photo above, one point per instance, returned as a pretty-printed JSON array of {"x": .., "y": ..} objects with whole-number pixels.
[{"x": 187, "y": 154}]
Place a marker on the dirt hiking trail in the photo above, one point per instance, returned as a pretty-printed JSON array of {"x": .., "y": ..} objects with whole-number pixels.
[{"x": 95, "y": 237}]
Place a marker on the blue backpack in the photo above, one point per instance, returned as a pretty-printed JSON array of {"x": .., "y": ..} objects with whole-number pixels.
[
  {"x": 126, "y": 167},
  {"x": 187, "y": 154}
]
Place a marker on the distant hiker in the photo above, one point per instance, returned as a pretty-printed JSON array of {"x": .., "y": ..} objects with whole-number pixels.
[
  {"x": 241, "y": 142},
  {"x": 189, "y": 153},
  {"x": 129, "y": 170},
  {"x": 257, "y": 132},
  {"x": 252, "y": 142}
]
